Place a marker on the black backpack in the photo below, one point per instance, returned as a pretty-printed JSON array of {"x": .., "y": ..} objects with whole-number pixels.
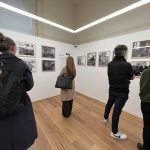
[{"x": 11, "y": 87}]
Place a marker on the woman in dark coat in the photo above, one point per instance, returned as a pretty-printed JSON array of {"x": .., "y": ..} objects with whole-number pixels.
[{"x": 18, "y": 131}]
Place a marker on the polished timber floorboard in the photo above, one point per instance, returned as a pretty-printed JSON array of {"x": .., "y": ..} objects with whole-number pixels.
[{"x": 84, "y": 130}]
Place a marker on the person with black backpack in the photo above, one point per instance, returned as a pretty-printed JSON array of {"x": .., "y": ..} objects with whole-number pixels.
[{"x": 17, "y": 122}]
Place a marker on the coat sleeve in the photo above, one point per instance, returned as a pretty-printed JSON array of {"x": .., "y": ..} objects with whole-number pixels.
[
  {"x": 130, "y": 72},
  {"x": 27, "y": 76}
]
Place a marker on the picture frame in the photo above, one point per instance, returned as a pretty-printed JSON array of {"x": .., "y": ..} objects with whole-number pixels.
[
  {"x": 81, "y": 60},
  {"x": 32, "y": 64},
  {"x": 141, "y": 49},
  {"x": 139, "y": 67},
  {"x": 48, "y": 65},
  {"x": 91, "y": 59},
  {"x": 25, "y": 49},
  {"x": 48, "y": 52},
  {"x": 103, "y": 58}
]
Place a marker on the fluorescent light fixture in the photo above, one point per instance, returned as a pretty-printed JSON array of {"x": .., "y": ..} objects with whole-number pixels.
[
  {"x": 117, "y": 13},
  {"x": 19, "y": 11}
]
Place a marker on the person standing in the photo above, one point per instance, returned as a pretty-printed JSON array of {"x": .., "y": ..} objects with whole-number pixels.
[
  {"x": 17, "y": 123},
  {"x": 145, "y": 108},
  {"x": 119, "y": 75},
  {"x": 67, "y": 95}
]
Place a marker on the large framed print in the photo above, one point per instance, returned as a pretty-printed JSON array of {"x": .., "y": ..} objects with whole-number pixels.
[
  {"x": 91, "y": 59},
  {"x": 81, "y": 60},
  {"x": 32, "y": 64},
  {"x": 48, "y": 52},
  {"x": 141, "y": 49},
  {"x": 139, "y": 67},
  {"x": 48, "y": 65},
  {"x": 104, "y": 58},
  {"x": 26, "y": 49}
]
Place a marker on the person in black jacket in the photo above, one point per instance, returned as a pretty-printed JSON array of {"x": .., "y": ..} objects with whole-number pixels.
[
  {"x": 119, "y": 74},
  {"x": 18, "y": 131}
]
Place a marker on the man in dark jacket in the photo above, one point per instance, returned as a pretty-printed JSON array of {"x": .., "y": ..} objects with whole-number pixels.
[
  {"x": 145, "y": 107},
  {"x": 119, "y": 74}
]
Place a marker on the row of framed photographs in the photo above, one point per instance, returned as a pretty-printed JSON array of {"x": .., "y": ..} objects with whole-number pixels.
[
  {"x": 103, "y": 59},
  {"x": 47, "y": 65},
  {"x": 29, "y": 50},
  {"x": 138, "y": 66}
]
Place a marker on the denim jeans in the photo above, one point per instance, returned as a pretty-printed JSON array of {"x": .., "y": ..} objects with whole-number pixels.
[{"x": 118, "y": 100}]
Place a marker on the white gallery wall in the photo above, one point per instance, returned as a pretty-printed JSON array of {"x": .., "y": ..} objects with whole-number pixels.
[
  {"x": 90, "y": 81},
  {"x": 44, "y": 81},
  {"x": 93, "y": 81}
]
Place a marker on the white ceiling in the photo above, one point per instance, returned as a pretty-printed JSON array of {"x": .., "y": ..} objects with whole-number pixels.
[{"x": 77, "y": 1}]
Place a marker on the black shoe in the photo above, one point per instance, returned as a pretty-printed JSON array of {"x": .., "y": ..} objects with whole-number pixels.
[{"x": 139, "y": 146}]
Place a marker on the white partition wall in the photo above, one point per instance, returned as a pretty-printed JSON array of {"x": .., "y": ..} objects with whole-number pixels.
[
  {"x": 44, "y": 81},
  {"x": 93, "y": 81}
]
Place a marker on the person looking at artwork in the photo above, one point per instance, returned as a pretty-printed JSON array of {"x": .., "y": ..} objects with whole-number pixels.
[
  {"x": 119, "y": 74},
  {"x": 145, "y": 107},
  {"x": 67, "y": 95},
  {"x": 17, "y": 123}
]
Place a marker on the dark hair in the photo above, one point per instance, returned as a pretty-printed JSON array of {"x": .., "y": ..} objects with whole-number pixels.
[
  {"x": 120, "y": 50},
  {"x": 5, "y": 43}
]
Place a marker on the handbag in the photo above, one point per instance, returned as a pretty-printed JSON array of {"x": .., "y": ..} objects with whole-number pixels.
[{"x": 64, "y": 82}]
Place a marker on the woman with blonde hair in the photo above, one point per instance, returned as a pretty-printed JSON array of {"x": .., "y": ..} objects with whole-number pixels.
[{"x": 67, "y": 95}]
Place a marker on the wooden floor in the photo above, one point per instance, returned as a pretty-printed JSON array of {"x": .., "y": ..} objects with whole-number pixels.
[{"x": 85, "y": 129}]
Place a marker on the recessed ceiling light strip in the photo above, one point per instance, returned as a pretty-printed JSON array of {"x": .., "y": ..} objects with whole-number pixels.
[
  {"x": 19, "y": 11},
  {"x": 117, "y": 13}
]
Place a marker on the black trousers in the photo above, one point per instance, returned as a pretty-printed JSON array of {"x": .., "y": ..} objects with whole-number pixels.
[
  {"x": 118, "y": 100},
  {"x": 67, "y": 108},
  {"x": 145, "y": 107}
]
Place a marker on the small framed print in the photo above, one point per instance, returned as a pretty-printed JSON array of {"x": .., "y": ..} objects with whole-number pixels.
[
  {"x": 32, "y": 64},
  {"x": 48, "y": 52},
  {"x": 26, "y": 49},
  {"x": 81, "y": 60},
  {"x": 91, "y": 59},
  {"x": 104, "y": 58},
  {"x": 48, "y": 65},
  {"x": 139, "y": 67}
]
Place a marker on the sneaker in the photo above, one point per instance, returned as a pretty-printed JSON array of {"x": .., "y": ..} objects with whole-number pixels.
[
  {"x": 105, "y": 120},
  {"x": 140, "y": 146},
  {"x": 119, "y": 135}
]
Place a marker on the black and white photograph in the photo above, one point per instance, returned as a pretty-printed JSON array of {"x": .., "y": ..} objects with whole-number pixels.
[
  {"x": 103, "y": 58},
  {"x": 48, "y": 65},
  {"x": 32, "y": 64},
  {"x": 91, "y": 59},
  {"x": 139, "y": 67},
  {"x": 81, "y": 60},
  {"x": 48, "y": 52},
  {"x": 26, "y": 49},
  {"x": 140, "y": 44},
  {"x": 141, "y": 49}
]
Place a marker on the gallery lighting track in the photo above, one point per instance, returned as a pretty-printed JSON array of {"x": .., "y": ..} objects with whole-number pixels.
[
  {"x": 116, "y": 13},
  {"x": 19, "y": 11}
]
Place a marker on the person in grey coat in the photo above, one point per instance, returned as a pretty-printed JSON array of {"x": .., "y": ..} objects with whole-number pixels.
[
  {"x": 67, "y": 95},
  {"x": 18, "y": 131}
]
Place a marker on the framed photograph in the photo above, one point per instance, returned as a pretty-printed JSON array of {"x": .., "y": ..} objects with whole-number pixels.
[
  {"x": 104, "y": 58},
  {"x": 139, "y": 67},
  {"x": 91, "y": 59},
  {"x": 141, "y": 49},
  {"x": 26, "y": 49},
  {"x": 32, "y": 64},
  {"x": 48, "y": 65},
  {"x": 48, "y": 52},
  {"x": 81, "y": 60}
]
